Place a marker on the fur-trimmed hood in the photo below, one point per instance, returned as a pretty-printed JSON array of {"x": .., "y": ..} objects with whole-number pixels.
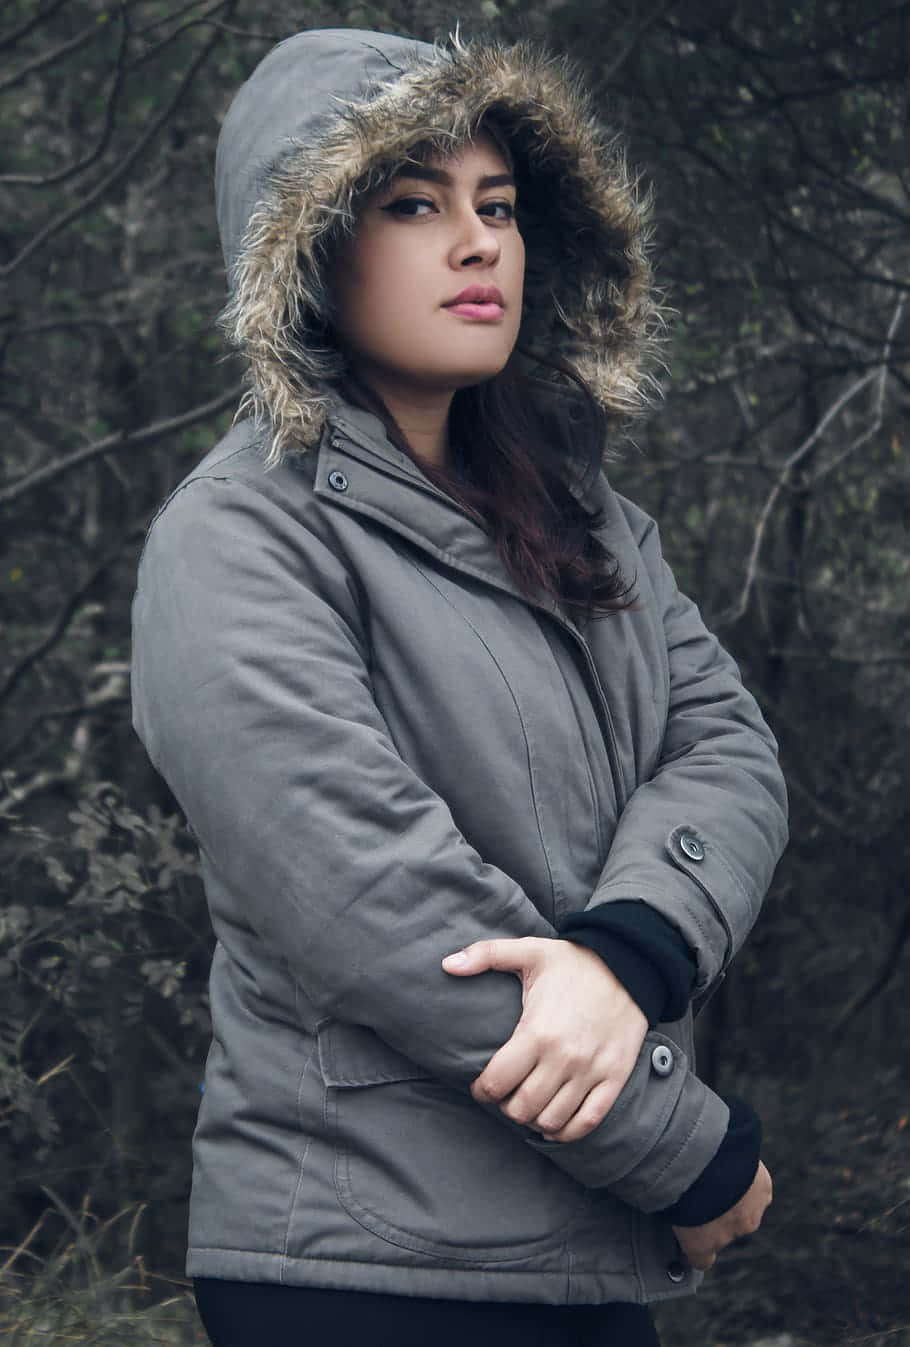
[{"x": 329, "y": 113}]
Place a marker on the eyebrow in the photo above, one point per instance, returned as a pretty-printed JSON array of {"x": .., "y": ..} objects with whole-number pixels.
[{"x": 439, "y": 175}]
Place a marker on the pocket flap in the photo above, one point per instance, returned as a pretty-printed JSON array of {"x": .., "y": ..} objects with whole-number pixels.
[{"x": 352, "y": 1055}]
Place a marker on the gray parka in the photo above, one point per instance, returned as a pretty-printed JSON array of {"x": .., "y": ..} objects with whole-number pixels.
[{"x": 387, "y": 752}]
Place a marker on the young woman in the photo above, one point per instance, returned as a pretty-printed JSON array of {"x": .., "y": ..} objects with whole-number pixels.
[{"x": 483, "y": 809}]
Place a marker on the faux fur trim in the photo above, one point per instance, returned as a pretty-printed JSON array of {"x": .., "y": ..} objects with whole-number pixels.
[{"x": 588, "y": 287}]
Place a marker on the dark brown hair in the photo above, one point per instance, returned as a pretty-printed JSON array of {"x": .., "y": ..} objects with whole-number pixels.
[{"x": 509, "y": 474}]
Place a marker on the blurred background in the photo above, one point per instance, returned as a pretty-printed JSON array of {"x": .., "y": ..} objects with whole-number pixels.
[{"x": 775, "y": 137}]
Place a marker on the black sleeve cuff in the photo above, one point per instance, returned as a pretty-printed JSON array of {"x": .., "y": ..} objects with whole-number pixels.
[
  {"x": 644, "y": 950},
  {"x": 728, "y": 1176}
]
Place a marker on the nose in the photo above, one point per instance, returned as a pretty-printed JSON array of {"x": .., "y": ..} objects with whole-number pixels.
[{"x": 476, "y": 243}]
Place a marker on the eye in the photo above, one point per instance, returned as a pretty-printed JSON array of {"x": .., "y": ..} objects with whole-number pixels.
[
  {"x": 498, "y": 210},
  {"x": 409, "y": 206}
]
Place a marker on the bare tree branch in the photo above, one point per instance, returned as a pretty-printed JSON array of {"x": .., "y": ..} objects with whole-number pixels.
[
  {"x": 738, "y": 609},
  {"x": 122, "y": 167},
  {"x": 120, "y": 439},
  {"x": 113, "y": 689},
  {"x": 41, "y": 62},
  {"x": 168, "y": 18},
  {"x": 199, "y": 20},
  {"x": 82, "y": 708},
  {"x": 618, "y": 60},
  {"x": 811, "y": 237},
  {"x": 58, "y": 627},
  {"x": 786, "y": 471},
  {"x": 47, "y": 780},
  {"x": 15, "y": 35},
  {"x": 879, "y": 401},
  {"x": 101, "y": 144}
]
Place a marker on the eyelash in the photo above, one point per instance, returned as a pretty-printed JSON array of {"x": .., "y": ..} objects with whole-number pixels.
[{"x": 395, "y": 208}]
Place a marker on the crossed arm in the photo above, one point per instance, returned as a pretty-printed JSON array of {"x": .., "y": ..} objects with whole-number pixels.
[{"x": 570, "y": 1055}]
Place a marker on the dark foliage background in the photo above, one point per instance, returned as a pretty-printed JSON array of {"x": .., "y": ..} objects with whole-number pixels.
[{"x": 776, "y": 137}]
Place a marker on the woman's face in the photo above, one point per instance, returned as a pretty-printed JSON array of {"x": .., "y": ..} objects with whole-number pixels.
[{"x": 432, "y": 233}]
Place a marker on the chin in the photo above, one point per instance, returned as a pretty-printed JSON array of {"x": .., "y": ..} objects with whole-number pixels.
[{"x": 478, "y": 374}]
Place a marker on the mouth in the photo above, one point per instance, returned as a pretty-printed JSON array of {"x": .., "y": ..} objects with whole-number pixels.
[
  {"x": 479, "y": 295},
  {"x": 482, "y": 303}
]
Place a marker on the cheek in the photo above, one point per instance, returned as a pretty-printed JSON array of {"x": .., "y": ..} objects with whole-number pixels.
[{"x": 379, "y": 292}]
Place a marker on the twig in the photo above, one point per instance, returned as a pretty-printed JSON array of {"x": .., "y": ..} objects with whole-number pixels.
[
  {"x": 45, "y": 781},
  {"x": 879, "y": 373},
  {"x": 619, "y": 60},
  {"x": 65, "y": 616},
  {"x": 77, "y": 1227},
  {"x": 120, "y": 169},
  {"x": 56, "y": 713},
  {"x": 742, "y": 603},
  {"x": 168, "y": 18},
  {"x": 120, "y": 439},
  {"x": 198, "y": 21},
  {"x": 9, "y": 39},
  {"x": 879, "y": 401},
  {"x": 112, "y": 690},
  {"x": 23, "y": 1244},
  {"x": 49, "y": 57},
  {"x": 101, "y": 144}
]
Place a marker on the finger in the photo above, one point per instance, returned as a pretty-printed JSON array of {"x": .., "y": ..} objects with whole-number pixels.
[
  {"x": 590, "y": 1113},
  {"x": 503, "y": 956},
  {"x": 506, "y": 1070},
  {"x": 535, "y": 1093},
  {"x": 563, "y": 1106}
]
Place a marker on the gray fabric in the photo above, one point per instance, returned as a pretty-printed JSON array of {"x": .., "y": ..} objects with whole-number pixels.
[
  {"x": 386, "y": 752},
  {"x": 289, "y": 100},
  {"x": 384, "y": 758}
]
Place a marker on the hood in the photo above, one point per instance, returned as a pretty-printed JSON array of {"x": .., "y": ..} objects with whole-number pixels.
[{"x": 329, "y": 113}]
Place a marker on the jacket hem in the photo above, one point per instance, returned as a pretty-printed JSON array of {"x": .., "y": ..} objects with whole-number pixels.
[{"x": 442, "y": 1283}]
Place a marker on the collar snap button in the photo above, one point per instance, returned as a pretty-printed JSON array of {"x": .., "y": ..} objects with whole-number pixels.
[
  {"x": 337, "y": 480},
  {"x": 662, "y": 1060},
  {"x": 690, "y": 846}
]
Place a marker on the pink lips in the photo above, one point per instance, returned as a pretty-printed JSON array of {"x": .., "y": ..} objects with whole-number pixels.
[{"x": 482, "y": 302}]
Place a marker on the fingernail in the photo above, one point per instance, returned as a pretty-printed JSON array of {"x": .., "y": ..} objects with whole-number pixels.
[{"x": 456, "y": 960}]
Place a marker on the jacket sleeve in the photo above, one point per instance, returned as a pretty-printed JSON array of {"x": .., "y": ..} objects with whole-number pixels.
[
  {"x": 700, "y": 839},
  {"x": 251, "y": 693}
]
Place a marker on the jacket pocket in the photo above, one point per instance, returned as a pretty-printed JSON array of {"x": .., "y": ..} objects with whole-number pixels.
[{"x": 424, "y": 1167}]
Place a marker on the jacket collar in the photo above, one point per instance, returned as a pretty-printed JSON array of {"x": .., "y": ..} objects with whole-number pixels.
[{"x": 359, "y": 469}]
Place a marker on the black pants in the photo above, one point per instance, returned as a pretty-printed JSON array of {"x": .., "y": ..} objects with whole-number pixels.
[{"x": 258, "y": 1314}]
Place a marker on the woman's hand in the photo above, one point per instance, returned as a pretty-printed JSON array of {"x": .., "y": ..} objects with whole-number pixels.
[
  {"x": 575, "y": 1045},
  {"x": 702, "y": 1243}
]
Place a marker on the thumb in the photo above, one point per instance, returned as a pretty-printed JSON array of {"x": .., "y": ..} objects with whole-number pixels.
[{"x": 504, "y": 956}]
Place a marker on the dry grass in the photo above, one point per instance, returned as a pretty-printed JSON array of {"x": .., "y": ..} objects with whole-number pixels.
[{"x": 71, "y": 1296}]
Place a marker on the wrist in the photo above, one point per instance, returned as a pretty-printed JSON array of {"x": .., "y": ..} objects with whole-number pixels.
[
  {"x": 728, "y": 1176},
  {"x": 644, "y": 951}
]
